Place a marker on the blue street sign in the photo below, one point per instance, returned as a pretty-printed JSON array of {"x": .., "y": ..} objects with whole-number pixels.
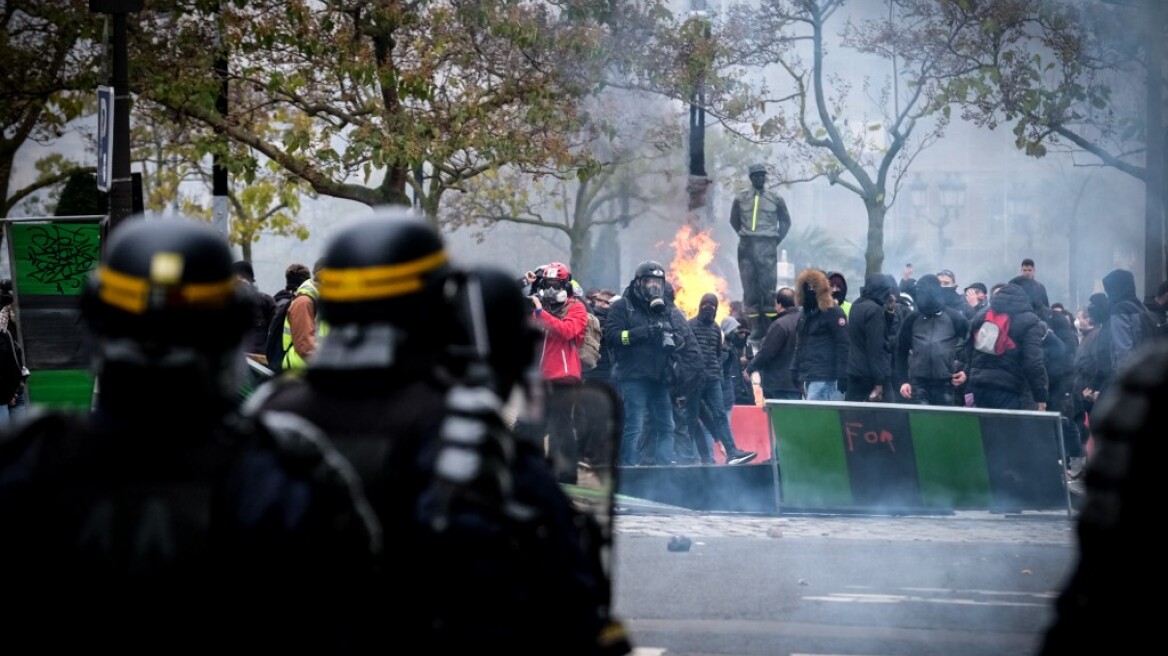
[{"x": 105, "y": 137}]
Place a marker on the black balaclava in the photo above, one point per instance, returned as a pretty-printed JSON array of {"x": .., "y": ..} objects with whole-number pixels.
[
  {"x": 927, "y": 294},
  {"x": 836, "y": 279},
  {"x": 1099, "y": 308},
  {"x": 708, "y": 308}
]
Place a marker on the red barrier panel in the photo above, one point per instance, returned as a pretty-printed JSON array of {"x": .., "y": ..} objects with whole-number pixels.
[{"x": 751, "y": 432}]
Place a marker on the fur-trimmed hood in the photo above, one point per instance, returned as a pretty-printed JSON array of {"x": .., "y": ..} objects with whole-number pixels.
[{"x": 816, "y": 281}]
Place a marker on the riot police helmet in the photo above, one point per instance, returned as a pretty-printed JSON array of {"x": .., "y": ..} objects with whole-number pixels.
[
  {"x": 167, "y": 282},
  {"x": 387, "y": 268}
]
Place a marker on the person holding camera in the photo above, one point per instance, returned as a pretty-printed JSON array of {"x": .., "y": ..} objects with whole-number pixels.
[
  {"x": 642, "y": 333},
  {"x": 562, "y": 317}
]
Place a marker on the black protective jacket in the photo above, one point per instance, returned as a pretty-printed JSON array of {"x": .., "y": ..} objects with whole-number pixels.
[
  {"x": 869, "y": 341},
  {"x": 131, "y": 528},
  {"x": 821, "y": 346},
  {"x": 627, "y": 333},
  {"x": 1017, "y": 368},
  {"x": 777, "y": 353}
]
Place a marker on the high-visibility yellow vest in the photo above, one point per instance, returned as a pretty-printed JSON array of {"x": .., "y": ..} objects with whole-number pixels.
[{"x": 292, "y": 359}]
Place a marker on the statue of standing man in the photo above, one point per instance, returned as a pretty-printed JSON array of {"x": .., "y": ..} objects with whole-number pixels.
[{"x": 761, "y": 220}]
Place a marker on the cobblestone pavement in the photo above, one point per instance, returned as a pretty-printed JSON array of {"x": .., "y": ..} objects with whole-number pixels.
[{"x": 1030, "y": 527}]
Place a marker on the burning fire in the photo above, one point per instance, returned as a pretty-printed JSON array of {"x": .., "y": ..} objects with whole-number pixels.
[{"x": 693, "y": 252}]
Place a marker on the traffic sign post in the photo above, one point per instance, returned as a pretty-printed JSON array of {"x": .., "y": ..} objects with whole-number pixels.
[{"x": 105, "y": 137}]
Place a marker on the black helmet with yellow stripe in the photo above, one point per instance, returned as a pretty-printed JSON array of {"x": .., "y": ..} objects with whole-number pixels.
[
  {"x": 387, "y": 268},
  {"x": 167, "y": 282},
  {"x": 169, "y": 320}
]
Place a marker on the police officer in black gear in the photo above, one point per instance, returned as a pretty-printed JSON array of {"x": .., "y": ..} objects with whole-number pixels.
[
  {"x": 124, "y": 525},
  {"x": 487, "y": 552}
]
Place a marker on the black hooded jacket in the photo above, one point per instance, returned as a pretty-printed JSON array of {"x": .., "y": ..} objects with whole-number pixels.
[
  {"x": 821, "y": 344},
  {"x": 928, "y": 342},
  {"x": 869, "y": 355},
  {"x": 1130, "y": 323},
  {"x": 1019, "y": 367},
  {"x": 635, "y": 351},
  {"x": 1063, "y": 365}
]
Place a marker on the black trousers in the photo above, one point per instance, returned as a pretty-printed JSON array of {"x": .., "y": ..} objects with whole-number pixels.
[{"x": 758, "y": 259}]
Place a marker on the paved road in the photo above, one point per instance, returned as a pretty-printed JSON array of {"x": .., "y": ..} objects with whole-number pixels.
[{"x": 967, "y": 584}]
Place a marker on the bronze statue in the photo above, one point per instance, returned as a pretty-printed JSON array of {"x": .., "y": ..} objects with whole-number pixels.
[{"x": 761, "y": 220}]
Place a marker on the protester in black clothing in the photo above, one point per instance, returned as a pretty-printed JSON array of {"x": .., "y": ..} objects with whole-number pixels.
[
  {"x": 1158, "y": 306},
  {"x": 1002, "y": 380},
  {"x": 870, "y": 333},
  {"x": 263, "y": 307},
  {"x": 704, "y": 405},
  {"x": 1092, "y": 369},
  {"x": 926, "y": 352},
  {"x": 687, "y": 378},
  {"x": 1059, "y": 352},
  {"x": 775, "y": 358},
  {"x": 737, "y": 389},
  {"x": 410, "y": 384},
  {"x": 125, "y": 524},
  {"x": 951, "y": 296},
  {"x": 1130, "y": 324},
  {"x": 821, "y": 345}
]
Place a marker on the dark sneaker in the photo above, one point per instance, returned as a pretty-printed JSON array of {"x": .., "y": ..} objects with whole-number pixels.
[{"x": 741, "y": 457}]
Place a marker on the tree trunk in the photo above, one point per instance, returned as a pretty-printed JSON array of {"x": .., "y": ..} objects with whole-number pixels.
[{"x": 874, "y": 255}]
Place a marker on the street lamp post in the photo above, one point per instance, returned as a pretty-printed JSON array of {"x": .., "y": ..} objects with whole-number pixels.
[{"x": 121, "y": 183}]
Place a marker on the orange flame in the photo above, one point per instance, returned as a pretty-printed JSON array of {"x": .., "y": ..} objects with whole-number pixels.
[{"x": 693, "y": 252}]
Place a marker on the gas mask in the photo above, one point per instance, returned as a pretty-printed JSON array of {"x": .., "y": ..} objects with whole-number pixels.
[
  {"x": 553, "y": 293},
  {"x": 653, "y": 291}
]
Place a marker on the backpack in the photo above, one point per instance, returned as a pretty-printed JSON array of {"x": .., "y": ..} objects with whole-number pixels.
[
  {"x": 274, "y": 349},
  {"x": 590, "y": 347},
  {"x": 993, "y": 337}
]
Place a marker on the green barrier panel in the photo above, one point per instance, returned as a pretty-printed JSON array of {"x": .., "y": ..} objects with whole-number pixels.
[
  {"x": 51, "y": 261},
  {"x": 908, "y": 458},
  {"x": 813, "y": 472},
  {"x": 66, "y": 388},
  {"x": 951, "y": 463}
]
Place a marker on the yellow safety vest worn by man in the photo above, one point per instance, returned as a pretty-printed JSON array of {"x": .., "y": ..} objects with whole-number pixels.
[{"x": 301, "y": 327}]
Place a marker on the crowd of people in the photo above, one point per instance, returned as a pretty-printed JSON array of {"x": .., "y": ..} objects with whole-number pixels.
[
  {"x": 922, "y": 341},
  {"x": 670, "y": 371},
  {"x": 915, "y": 341}
]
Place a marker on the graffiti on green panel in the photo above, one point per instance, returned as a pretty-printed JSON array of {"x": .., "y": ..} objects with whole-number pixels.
[
  {"x": 813, "y": 465},
  {"x": 53, "y": 259}
]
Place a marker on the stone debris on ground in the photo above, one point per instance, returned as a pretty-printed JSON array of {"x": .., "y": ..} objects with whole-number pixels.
[{"x": 1029, "y": 527}]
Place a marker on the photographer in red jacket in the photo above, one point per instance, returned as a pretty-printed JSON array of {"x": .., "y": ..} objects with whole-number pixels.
[{"x": 563, "y": 318}]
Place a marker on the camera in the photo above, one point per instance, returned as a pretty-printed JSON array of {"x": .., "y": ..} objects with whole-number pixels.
[{"x": 667, "y": 340}]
